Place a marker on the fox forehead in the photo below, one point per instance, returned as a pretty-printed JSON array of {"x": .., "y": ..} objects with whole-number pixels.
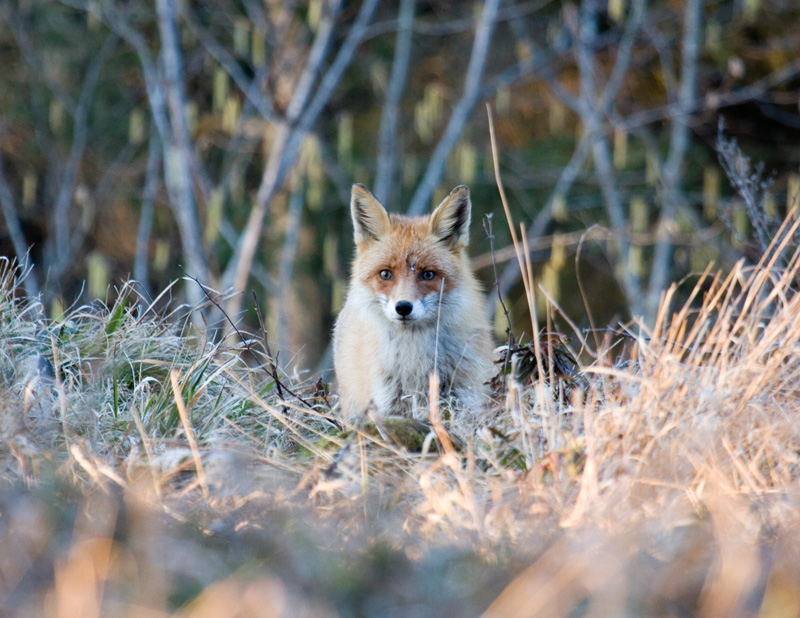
[{"x": 409, "y": 245}]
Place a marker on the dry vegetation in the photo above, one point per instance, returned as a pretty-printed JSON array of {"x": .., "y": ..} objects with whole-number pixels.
[
  {"x": 152, "y": 466},
  {"x": 148, "y": 473}
]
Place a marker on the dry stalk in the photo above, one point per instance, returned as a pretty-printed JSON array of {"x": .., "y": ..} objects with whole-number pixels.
[{"x": 187, "y": 428}]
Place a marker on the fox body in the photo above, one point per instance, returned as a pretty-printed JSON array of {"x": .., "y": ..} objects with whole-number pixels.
[{"x": 413, "y": 306}]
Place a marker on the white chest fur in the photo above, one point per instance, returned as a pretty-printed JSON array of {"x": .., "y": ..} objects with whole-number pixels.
[{"x": 407, "y": 357}]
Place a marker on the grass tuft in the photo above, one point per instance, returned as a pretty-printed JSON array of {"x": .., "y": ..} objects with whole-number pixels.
[{"x": 150, "y": 472}]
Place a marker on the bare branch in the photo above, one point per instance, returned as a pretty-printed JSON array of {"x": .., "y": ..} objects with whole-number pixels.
[
  {"x": 61, "y": 256},
  {"x": 570, "y": 172},
  {"x": 472, "y": 83},
  {"x": 549, "y": 68},
  {"x": 330, "y": 80},
  {"x": 387, "y": 138},
  {"x": 288, "y": 257},
  {"x": 319, "y": 52},
  {"x": 117, "y": 22},
  {"x": 624, "y": 55},
  {"x": 29, "y": 55},
  {"x": 455, "y": 26},
  {"x": 665, "y": 59},
  {"x": 112, "y": 174},
  {"x": 546, "y": 64},
  {"x": 168, "y": 114},
  {"x": 236, "y": 274},
  {"x": 140, "y": 265},
  {"x": 178, "y": 159},
  {"x": 285, "y": 149},
  {"x": 713, "y": 101},
  {"x": 251, "y": 88},
  {"x": 258, "y": 272},
  {"x": 255, "y": 11},
  {"x": 338, "y": 175},
  {"x": 679, "y": 143},
  {"x": 21, "y": 248},
  {"x": 590, "y": 107}
]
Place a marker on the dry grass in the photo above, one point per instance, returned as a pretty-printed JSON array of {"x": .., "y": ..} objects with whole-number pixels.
[{"x": 150, "y": 473}]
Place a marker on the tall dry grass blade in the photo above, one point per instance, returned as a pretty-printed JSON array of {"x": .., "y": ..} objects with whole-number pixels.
[
  {"x": 436, "y": 416},
  {"x": 530, "y": 291},
  {"x": 589, "y": 488},
  {"x": 451, "y": 457},
  {"x": 518, "y": 250},
  {"x": 523, "y": 259},
  {"x": 147, "y": 449},
  {"x": 187, "y": 428}
]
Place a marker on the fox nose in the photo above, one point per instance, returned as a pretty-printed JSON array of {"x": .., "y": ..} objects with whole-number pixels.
[{"x": 403, "y": 308}]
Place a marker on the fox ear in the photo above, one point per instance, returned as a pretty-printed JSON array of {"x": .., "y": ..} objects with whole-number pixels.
[
  {"x": 370, "y": 220},
  {"x": 450, "y": 220}
]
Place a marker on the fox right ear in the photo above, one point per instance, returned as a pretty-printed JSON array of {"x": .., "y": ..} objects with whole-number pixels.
[
  {"x": 370, "y": 220},
  {"x": 450, "y": 220}
]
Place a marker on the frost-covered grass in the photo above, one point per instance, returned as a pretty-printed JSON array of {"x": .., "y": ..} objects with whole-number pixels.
[{"x": 148, "y": 471}]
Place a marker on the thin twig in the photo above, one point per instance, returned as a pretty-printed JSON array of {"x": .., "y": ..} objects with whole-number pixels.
[
  {"x": 279, "y": 385},
  {"x": 565, "y": 181},
  {"x": 271, "y": 359},
  {"x": 521, "y": 248},
  {"x": 487, "y": 226},
  {"x": 749, "y": 182},
  {"x": 178, "y": 181},
  {"x": 251, "y": 88},
  {"x": 237, "y": 272}
]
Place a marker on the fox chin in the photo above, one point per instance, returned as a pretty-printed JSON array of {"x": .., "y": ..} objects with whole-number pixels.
[{"x": 413, "y": 307}]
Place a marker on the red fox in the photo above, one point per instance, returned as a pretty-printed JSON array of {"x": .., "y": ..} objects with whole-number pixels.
[{"x": 413, "y": 306}]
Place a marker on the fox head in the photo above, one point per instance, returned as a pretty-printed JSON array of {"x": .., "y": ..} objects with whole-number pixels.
[{"x": 411, "y": 268}]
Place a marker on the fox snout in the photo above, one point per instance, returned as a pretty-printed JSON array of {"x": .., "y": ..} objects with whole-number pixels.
[
  {"x": 400, "y": 310},
  {"x": 404, "y": 308}
]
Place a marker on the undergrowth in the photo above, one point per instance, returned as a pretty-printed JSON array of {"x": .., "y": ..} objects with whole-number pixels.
[{"x": 150, "y": 471}]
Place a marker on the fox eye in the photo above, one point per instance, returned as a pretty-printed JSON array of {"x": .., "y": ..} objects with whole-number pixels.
[
  {"x": 427, "y": 275},
  {"x": 385, "y": 274}
]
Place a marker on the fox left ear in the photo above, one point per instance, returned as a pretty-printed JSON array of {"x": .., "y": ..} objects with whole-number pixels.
[
  {"x": 370, "y": 221},
  {"x": 450, "y": 220}
]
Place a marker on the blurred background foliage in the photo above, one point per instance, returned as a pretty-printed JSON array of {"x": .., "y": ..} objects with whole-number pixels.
[{"x": 220, "y": 139}]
